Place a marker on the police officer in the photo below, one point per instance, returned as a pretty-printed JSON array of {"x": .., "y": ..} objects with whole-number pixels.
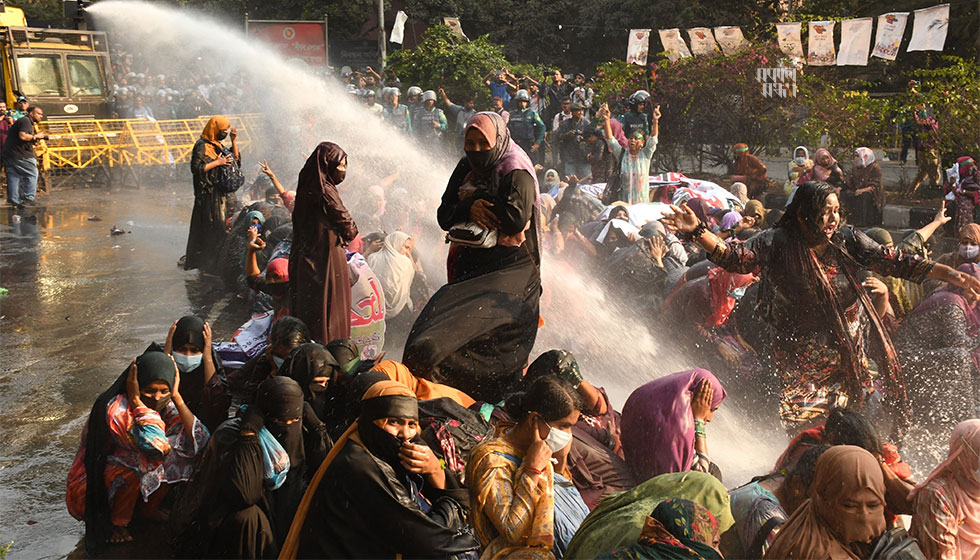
[
  {"x": 526, "y": 127},
  {"x": 429, "y": 122},
  {"x": 636, "y": 119},
  {"x": 396, "y": 113}
]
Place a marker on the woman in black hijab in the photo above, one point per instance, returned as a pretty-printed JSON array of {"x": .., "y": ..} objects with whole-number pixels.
[
  {"x": 203, "y": 386},
  {"x": 318, "y": 272},
  {"x": 235, "y": 506},
  {"x": 140, "y": 436},
  {"x": 381, "y": 493}
]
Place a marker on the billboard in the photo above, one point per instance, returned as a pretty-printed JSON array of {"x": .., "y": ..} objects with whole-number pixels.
[{"x": 304, "y": 41}]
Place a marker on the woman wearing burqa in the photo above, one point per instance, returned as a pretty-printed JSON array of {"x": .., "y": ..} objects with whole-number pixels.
[
  {"x": 477, "y": 331},
  {"x": 318, "y": 273},
  {"x": 207, "y": 229}
]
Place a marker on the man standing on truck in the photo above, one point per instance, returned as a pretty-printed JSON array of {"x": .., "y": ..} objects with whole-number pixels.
[{"x": 18, "y": 158}]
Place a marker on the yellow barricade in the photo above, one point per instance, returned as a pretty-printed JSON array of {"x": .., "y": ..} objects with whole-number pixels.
[{"x": 80, "y": 144}]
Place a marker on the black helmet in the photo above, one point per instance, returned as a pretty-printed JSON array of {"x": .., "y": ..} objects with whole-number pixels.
[{"x": 639, "y": 96}]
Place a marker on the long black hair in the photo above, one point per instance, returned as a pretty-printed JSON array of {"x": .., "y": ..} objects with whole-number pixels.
[
  {"x": 550, "y": 397},
  {"x": 806, "y": 204}
]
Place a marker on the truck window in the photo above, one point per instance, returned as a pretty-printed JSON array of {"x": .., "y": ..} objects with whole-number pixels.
[
  {"x": 84, "y": 76},
  {"x": 41, "y": 76}
]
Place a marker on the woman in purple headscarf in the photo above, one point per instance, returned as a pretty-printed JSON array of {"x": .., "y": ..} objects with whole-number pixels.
[
  {"x": 318, "y": 273},
  {"x": 663, "y": 423},
  {"x": 939, "y": 341},
  {"x": 477, "y": 331}
]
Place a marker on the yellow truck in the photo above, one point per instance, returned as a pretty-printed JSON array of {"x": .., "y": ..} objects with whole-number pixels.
[{"x": 65, "y": 72}]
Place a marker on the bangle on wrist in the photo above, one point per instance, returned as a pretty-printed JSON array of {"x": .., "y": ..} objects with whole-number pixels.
[
  {"x": 697, "y": 232},
  {"x": 533, "y": 470},
  {"x": 699, "y": 428}
]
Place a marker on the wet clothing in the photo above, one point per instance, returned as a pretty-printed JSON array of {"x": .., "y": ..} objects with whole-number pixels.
[
  {"x": 207, "y": 226},
  {"x": 658, "y": 424},
  {"x": 127, "y": 452},
  {"x": 946, "y": 523},
  {"x": 363, "y": 504},
  {"x": 13, "y": 146},
  {"x": 319, "y": 277},
  {"x": 822, "y": 527},
  {"x": 758, "y": 516},
  {"x": 619, "y": 519},
  {"x": 801, "y": 294},
  {"x": 595, "y": 459},
  {"x": 677, "y": 529},
  {"x": 483, "y": 358},
  {"x": 634, "y": 169},
  {"x": 940, "y": 337}
]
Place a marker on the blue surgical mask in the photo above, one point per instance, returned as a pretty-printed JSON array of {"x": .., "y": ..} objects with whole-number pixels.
[
  {"x": 800, "y": 160},
  {"x": 186, "y": 363},
  {"x": 737, "y": 293},
  {"x": 277, "y": 360}
]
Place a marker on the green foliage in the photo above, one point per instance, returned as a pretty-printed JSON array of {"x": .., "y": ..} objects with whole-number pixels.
[
  {"x": 442, "y": 60},
  {"x": 953, "y": 92},
  {"x": 711, "y": 103},
  {"x": 5, "y": 549},
  {"x": 617, "y": 79},
  {"x": 50, "y": 10},
  {"x": 843, "y": 109}
]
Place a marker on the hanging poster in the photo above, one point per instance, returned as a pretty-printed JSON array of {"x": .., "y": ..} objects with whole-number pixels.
[
  {"x": 789, "y": 38},
  {"x": 639, "y": 47},
  {"x": 891, "y": 27},
  {"x": 702, "y": 41},
  {"x": 929, "y": 28},
  {"x": 455, "y": 27},
  {"x": 730, "y": 38},
  {"x": 855, "y": 42},
  {"x": 820, "y": 44},
  {"x": 674, "y": 44},
  {"x": 398, "y": 30}
]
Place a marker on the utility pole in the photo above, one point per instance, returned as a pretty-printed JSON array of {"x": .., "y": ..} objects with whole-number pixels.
[{"x": 382, "y": 42}]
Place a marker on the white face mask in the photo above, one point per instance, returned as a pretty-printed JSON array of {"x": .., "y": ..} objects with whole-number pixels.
[
  {"x": 557, "y": 439},
  {"x": 969, "y": 252}
]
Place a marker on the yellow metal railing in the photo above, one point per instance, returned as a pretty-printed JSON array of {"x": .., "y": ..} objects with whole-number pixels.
[{"x": 80, "y": 144}]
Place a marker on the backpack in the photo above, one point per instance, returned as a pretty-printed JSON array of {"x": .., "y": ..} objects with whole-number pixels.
[
  {"x": 896, "y": 544},
  {"x": 452, "y": 431},
  {"x": 225, "y": 179}
]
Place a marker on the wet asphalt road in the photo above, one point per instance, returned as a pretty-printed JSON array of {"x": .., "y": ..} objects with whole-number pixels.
[{"x": 80, "y": 305}]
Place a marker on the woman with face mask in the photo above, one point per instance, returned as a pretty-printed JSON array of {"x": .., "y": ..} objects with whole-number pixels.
[
  {"x": 140, "y": 437},
  {"x": 946, "y": 523},
  {"x": 939, "y": 339},
  {"x": 381, "y": 492},
  {"x": 319, "y": 278},
  {"x": 797, "y": 167},
  {"x": 492, "y": 191},
  {"x": 814, "y": 298},
  {"x": 665, "y": 422},
  {"x": 207, "y": 227},
  {"x": 203, "y": 386},
  {"x": 845, "y": 513},
  {"x": 966, "y": 251},
  {"x": 634, "y": 164},
  {"x": 511, "y": 477}
]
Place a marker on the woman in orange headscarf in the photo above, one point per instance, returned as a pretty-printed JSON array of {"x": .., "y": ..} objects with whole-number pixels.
[{"x": 207, "y": 229}]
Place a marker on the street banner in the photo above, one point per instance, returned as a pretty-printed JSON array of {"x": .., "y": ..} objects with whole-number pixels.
[
  {"x": 929, "y": 29},
  {"x": 398, "y": 30},
  {"x": 820, "y": 44},
  {"x": 702, "y": 41},
  {"x": 456, "y": 27},
  {"x": 674, "y": 44},
  {"x": 891, "y": 27},
  {"x": 295, "y": 41},
  {"x": 730, "y": 38},
  {"x": 789, "y": 38},
  {"x": 639, "y": 47},
  {"x": 855, "y": 42}
]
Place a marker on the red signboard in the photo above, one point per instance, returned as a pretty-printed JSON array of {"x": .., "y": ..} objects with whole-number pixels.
[{"x": 304, "y": 41}]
